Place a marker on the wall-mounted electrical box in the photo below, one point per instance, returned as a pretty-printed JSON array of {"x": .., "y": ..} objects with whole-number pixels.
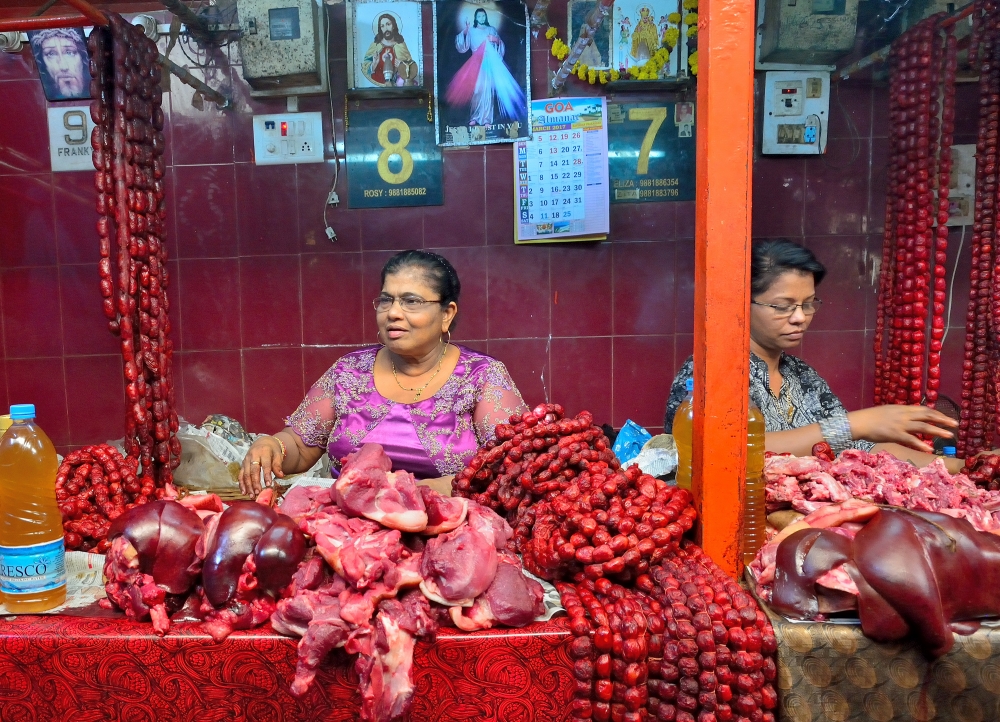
[
  {"x": 288, "y": 138},
  {"x": 796, "y": 112},
  {"x": 283, "y": 46},
  {"x": 807, "y": 32}
]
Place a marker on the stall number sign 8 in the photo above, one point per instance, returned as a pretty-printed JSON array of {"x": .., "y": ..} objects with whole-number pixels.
[
  {"x": 69, "y": 138},
  {"x": 395, "y": 151}
]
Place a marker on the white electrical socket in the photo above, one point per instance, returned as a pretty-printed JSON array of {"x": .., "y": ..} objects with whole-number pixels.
[{"x": 288, "y": 138}]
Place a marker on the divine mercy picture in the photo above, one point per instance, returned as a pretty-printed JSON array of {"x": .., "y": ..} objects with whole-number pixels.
[
  {"x": 386, "y": 44},
  {"x": 481, "y": 72}
]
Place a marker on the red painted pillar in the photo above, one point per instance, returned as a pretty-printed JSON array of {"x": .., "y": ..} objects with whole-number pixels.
[{"x": 722, "y": 271}]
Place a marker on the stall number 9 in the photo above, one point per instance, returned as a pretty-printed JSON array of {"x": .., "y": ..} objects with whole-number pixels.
[
  {"x": 392, "y": 149},
  {"x": 75, "y": 121},
  {"x": 655, "y": 116}
]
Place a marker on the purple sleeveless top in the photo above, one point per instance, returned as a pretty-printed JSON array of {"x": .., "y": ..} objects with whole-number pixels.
[{"x": 433, "y": 437}]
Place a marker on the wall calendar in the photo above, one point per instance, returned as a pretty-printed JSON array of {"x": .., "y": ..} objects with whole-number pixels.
[{"x": 561, "y": 173}]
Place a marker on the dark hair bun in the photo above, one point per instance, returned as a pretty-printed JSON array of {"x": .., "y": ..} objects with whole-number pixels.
[
  {"x": 438, "y": 269},
  {"x": 769, "y": 259}
]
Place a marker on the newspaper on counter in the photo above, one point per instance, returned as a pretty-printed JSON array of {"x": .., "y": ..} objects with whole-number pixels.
[{"x": 84, "y": 582}]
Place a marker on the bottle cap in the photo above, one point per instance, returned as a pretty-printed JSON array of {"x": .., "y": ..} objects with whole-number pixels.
[
  {"x": 22, "y": 411},
  {"x": 949, "y": 451},
  {"x": 689, "y": 385}
]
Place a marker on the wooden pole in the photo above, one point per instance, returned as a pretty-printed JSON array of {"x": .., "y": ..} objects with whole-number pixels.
[{"x": 722, "y": 271}]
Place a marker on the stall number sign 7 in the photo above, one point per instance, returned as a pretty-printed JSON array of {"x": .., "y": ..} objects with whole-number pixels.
[
  {"x": 655, "y": 116},
  {"x": 69, "y": 138}
]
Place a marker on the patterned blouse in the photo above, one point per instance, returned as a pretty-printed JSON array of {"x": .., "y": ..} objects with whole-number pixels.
[
  {"x": 805, "y": 397},
  {"x": 433, "y": 437}
]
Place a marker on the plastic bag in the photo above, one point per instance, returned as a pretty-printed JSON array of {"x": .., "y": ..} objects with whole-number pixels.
[
  {"x": 630, "y": 442},
  {"x": 658, "y": 456}
]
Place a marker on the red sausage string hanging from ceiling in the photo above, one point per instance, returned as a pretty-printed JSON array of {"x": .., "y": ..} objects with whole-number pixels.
[
  {"x": 128, "y": 156},
  {"x": 981, "y": 362},
  {"x": 912, "y": 284}
]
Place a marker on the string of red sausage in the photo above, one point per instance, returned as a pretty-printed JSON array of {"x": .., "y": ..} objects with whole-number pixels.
[
  {"x": 912, "y": 285},
  {"x": 982, "y": 356},
  {"x": 128, "y": 146},
  {"x": 660, "y": 631}
]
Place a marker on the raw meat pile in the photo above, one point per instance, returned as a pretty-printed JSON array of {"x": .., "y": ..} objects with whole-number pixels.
[
  {"x": 904, "y": 572},
  {"x": 128, "y": 149},
  {"x": 391, "y": 562},
  {"x": 912, "y": 286},
  {"x": 660, "y": 631},
  {"x": 385, "y": 564},
  {"x": 226, "y": 567},
  {"x": 807, "y": 483}
]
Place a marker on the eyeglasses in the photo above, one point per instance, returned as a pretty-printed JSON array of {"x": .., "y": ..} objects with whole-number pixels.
[
  {"x": 784, "y": 310},
  {"x": 409, "y": 304}
]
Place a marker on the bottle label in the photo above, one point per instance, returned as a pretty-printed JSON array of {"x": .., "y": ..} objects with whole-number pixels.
[{"x": 32, "y": 569}]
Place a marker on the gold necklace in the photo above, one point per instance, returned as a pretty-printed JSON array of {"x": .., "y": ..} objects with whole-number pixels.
[{"x": 417, "y": 392}]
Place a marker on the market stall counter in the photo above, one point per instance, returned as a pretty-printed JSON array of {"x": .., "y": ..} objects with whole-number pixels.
[
  {"x": 57, "y": 667},
  {"x": 834, "y": 672}
]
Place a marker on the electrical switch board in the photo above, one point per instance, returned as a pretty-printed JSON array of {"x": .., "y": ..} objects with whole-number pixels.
[
  {"x": 288, "y": 138},
  {"x": 796, "y": 112}
]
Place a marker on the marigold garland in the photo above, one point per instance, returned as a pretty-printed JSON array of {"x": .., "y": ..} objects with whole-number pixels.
[{"x": 650, "y": 70}]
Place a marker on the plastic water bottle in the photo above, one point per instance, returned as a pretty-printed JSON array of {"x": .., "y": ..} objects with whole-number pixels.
[
  {"x": 949, "y": 451},
  {"x": 683, "y": 432},
  {"x": 754, "y": 510},
  {"x": 32, "y": 553}
]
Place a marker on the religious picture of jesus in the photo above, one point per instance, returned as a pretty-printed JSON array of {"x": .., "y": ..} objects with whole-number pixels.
[
  {"x": 482, "y": 71},
  {"x": 385, "y": 39}
]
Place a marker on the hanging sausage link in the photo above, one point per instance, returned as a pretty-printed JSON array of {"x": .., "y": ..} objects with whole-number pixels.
[{"x": 128, "y": 157}]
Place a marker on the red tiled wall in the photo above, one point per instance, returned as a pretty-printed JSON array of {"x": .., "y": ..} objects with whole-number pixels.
[
  {"x": 262, "y": 303},
  {"x": 835, "y": 204}
]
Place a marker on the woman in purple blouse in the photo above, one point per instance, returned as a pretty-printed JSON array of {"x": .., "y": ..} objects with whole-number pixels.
[{"x": 429, "y": 403}]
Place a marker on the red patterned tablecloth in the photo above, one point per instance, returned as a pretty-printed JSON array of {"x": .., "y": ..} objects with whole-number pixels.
[{"x": 77, "y": 669}]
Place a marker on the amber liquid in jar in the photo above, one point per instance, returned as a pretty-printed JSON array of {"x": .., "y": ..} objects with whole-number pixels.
[
  {"x": 754, "y": 511},
  {"x": 31, "y": 533},
  {"x": 683, "y": 431}
]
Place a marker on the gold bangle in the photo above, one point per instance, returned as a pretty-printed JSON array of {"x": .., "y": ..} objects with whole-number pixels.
[{"x": 284, "y": 452}]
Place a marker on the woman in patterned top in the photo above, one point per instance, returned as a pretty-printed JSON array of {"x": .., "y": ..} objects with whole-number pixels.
[
  {"x": 798, "y": 406},
  {"x": 429, "y": 403}
]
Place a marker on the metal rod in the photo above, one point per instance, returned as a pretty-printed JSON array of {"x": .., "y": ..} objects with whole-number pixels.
[
  {"x": 48, "y": 4},
  {"x": 196, "y": 25},
  {"x": 87, "y": 10},
  {"x": 961, "y": 14},
  {"x": 188, "y": 79},
  {"x": 52, "y": 21},
  {"x": 883, "y": 53}
]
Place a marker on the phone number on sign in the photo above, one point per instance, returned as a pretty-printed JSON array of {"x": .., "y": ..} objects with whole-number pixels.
[
  {"x": 659, "y": 193},
  {"x": 647, "y": 182},
  {"x": 379, "y": 192}
]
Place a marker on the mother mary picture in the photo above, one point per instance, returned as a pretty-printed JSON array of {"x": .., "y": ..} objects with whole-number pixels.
[{"x": 482, "y": 72}]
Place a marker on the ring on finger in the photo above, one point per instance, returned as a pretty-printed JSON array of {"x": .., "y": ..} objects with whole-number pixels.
[{"x": 253, "y": 463}]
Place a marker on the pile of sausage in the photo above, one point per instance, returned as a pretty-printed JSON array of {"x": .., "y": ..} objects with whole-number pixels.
[
  {"x": 94, "y": 486},
  {"x": 660, "y": 632},
  {"x": 982, "y": 353},
  {"x": 912, "y": 286},
  {"x": 128, "y": 146}
]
